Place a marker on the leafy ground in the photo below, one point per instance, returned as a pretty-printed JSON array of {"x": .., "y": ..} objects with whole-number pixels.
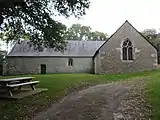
[{"x": 60, "y": 85}]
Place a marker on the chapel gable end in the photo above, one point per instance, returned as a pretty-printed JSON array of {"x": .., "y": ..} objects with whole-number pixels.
[{"x": 126, "y": 31}]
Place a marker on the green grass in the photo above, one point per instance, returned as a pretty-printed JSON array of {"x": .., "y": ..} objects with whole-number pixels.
[
  {"x": 58, "y": 85},
  {"x": 154, "y": 95}
]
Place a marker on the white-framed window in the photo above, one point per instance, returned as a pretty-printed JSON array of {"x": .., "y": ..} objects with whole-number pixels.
[
  {"x": 70, "y": 62},
  {"x": 127, "y": 50}
]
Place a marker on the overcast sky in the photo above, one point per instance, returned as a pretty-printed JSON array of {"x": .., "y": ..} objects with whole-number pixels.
[{"x": 108, "y": 15}]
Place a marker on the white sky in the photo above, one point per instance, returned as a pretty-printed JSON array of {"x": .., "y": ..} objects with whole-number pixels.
[{"x": 108, "y": 15}]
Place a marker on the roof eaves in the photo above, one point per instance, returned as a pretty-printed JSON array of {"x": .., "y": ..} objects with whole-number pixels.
[{"x": 53, "y": 56}]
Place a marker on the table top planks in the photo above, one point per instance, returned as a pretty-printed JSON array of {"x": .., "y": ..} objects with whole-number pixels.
[{"x": 16, "y": 79}]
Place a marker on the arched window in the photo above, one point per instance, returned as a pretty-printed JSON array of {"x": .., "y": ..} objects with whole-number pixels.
[
  {"x": 127, "y": 50},
  {"x": 70, "y": 62}
]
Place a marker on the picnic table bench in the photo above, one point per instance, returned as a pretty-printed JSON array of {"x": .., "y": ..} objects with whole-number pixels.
[{"x": 10, "y": 83}]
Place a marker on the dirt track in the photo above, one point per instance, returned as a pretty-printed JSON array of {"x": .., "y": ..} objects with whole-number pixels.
[{"x": 113, "y": 101}]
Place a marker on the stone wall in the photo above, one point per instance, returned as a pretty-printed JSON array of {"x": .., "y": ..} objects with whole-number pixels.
[
  {"x": 31, "y": 65},
  {"x": 109, "y": 57}
]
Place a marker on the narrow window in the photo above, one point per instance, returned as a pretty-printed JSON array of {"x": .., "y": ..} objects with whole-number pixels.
[
  {"x": 127, "y": 50},
  {"x": 124, "y": 53},
  {"x": 130, "y": 53},
  {"x": 70, "y": 62}
]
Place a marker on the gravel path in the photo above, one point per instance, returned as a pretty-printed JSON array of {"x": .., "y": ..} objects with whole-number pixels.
[{"x": 113, "y": 101}]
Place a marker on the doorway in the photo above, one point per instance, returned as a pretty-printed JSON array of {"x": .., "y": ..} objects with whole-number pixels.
[
  {"x": 1, "y": 69},
  {"x": 43, "y": 68}
]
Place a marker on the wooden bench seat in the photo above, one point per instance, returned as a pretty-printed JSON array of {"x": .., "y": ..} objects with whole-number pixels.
[
  {"x": 22, "y": 84},
  {"x": 14, "y": 82}
]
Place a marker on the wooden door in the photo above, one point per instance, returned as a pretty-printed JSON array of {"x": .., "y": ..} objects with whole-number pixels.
[
  {"x": 43, "y": 68},
  {"x": 1, "y": 69}
]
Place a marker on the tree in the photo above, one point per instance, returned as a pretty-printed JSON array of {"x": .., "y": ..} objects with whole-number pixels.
[
  {"x": 73, "y": 32},
  {"x": 98, "y": 36},
  {"x": 85, "y": 32},
  {"x": 154, "y": 38},
  {"x": 150, "y": 33},
  {"x": 34, "y": 18},
  {"x": 79, "y": 32},
  {"x": 2, "y": 60}
]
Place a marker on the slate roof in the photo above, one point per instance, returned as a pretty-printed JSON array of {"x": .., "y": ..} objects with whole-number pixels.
[{"x": 74, "y": 48}]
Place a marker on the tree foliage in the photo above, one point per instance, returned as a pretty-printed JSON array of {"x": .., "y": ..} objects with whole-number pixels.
[
  {"x": 35, "y": 19},
  {"x": 154, "y": 37},
  {"x": 150, "y": 33},
  {"x": 96, "y": 35},
  {"x": 80, "y": 32}
]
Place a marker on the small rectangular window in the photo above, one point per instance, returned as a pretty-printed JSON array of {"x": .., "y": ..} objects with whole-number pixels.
[{"x": 70, "y": 62}]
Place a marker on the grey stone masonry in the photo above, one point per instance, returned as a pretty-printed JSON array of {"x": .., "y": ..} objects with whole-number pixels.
[{"x": 108, "y": 59}]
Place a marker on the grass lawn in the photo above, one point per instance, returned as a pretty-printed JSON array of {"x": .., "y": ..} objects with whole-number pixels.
[
  {"x": 154, "y": 96},
  {"x": 60, "y": 85}
]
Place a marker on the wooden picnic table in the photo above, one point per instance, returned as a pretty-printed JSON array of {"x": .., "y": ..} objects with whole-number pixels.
[
  {"x": 15, "y": 79},
  {"x": 10, "y": 83}
]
